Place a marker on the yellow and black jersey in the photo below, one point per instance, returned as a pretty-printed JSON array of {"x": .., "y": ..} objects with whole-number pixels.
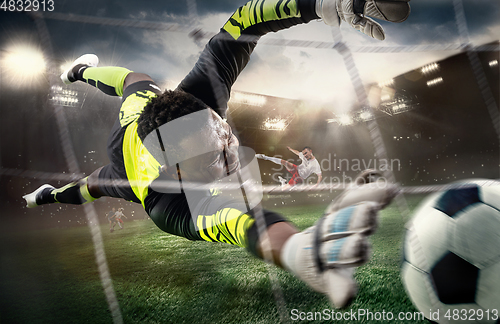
[{"x": 131, "y": 167}]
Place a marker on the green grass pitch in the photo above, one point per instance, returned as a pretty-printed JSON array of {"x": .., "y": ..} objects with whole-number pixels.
[{"x": 50, "y": 276}]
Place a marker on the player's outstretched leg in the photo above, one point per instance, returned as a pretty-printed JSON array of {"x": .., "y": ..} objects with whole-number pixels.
[
  {"x": 35, "y": 198},
  {"x": 76, "y": 193},
  {"x": 325, "y": 254},
  {"x": 108, "y": 79},
  {"x": 357, "y": 14},
  {"x": 268, "y": 158},
  {"x": 77, "y": 67}
]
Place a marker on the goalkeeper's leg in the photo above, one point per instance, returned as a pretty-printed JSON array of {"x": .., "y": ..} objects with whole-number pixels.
[
  {"x": 109, "y": 80},
  {"x": 77, "y": 193}
]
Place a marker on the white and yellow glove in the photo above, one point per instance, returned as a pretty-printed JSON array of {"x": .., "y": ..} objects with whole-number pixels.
[
  {"x": 357, "y": 13},
  {"x": 325, "y": 255}
]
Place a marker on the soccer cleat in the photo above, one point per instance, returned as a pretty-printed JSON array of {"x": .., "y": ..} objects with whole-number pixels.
[
  {"x": 87, "y": 59},
  {"x": 324, "y": 255},
  {"x": 31, "y": 199},
  {"x": 357, "y": 13},
  {"x": 282, "y": 180}
]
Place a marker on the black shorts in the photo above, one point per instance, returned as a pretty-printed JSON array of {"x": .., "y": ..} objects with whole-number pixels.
[{"x": 171, "y": 213}]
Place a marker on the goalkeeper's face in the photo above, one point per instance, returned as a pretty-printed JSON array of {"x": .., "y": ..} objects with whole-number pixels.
[{"x": 222, "y": 159}]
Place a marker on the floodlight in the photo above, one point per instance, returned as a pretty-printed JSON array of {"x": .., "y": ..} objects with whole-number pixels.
[
  {"x": 434, "y": 82},
  {"x": 248, "y": 98},
  {"x": 399, "y": 108},
  {"x": 365, "y": 115},
  {"x": 345, "y": 120},
  {"x": 64, "y": 97},
  {"x": 429, "y": 68},
  {"x": 23, "y": 64},
  {"x": 279, "y": 124}
]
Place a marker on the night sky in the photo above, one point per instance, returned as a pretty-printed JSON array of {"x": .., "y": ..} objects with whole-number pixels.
[{"x": 447, "y": 136}]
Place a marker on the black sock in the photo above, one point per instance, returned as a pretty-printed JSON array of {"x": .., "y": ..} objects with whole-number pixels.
[
  {"x": 45, "y": 197},
  {"x": 77, "y": 73}
]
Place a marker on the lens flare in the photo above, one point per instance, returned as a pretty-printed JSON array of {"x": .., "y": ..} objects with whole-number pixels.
[{"x": 23, "y": 65}]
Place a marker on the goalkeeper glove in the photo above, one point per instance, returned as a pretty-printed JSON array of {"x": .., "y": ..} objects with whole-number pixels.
[{"x": 357, "y": 13}]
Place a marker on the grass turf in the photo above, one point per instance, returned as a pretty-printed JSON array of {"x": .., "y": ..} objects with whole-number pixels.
[{"x": 50, "y": 276}]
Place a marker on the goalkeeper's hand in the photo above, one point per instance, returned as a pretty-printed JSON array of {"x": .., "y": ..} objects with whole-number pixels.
[{"x": 357, "y": 13}]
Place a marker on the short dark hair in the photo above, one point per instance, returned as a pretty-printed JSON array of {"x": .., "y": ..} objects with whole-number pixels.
[
  {"x": 166, "y": 107},
  {"x": 307, "y": 147}
]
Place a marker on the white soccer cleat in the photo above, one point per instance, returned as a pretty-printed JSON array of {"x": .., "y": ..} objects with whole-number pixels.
[
  {"x": 325, "y": 255},
  {"x": 86, "y": 59},
  {"x": 357, "y": 13},
  {"x": 282, "y": 180},
  {"x": 31, "y": 198}
]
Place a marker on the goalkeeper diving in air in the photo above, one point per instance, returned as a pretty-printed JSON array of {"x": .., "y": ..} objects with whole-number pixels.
[{"x": 182, "y": 136}]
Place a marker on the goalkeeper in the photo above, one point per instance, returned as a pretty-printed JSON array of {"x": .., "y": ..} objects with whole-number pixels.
[{"x": 182, "y": 135}]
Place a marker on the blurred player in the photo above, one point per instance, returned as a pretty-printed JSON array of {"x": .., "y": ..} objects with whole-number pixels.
[
  {"x": 322, "y": 256},
  {"x": 118, "y": 216},
  {"x": 111, "y": 219},
  {"x": 301, "y": 172}
]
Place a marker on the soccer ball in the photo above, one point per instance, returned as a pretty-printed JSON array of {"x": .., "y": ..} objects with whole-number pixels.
[{"x": 451, "y": 255}]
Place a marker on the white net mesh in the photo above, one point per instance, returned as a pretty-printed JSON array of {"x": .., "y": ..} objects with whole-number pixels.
[{"x": 337, "y": 44}]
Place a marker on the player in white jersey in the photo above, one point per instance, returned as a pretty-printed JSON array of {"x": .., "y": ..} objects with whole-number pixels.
[
  {"x": 301, "y": 172},
  {"x": 118, "y": 216}
]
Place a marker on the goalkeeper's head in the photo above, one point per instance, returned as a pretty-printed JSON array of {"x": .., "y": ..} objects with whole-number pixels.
[{"x": 196, "y": 139}]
